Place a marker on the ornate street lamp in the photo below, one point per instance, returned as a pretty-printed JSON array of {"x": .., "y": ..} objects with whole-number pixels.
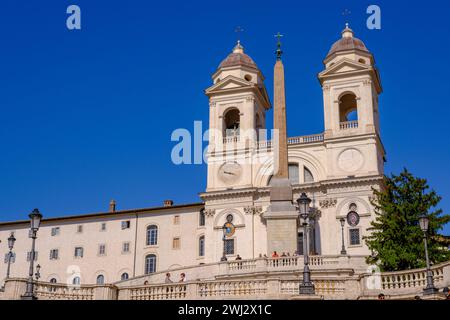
[
  {"x": 11, "y": 241},
  {"x": 342, "y": 221},
  {"x": 38, "y": 273},
  {"x": 424, "y": 223},
  {"x": 306, "y": 286},
  {"x": 35, "y": 218}
]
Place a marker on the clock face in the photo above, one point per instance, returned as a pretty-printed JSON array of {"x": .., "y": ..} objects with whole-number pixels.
[
  {"x": 350, "y": 160},
  {"x": 230, "y": 172}
]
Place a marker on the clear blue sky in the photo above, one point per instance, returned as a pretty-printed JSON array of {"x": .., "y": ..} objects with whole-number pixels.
[{"x": 86, "y": 116}]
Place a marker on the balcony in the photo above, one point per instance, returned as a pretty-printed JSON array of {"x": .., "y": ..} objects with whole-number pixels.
[
  {"x": 231, "y": 139},
  {"x": 348, "y": 125},
  {"x": 294, "y": 140}
]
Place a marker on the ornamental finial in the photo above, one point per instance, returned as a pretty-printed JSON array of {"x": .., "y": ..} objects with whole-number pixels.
[{"x": 278, "y": 52}]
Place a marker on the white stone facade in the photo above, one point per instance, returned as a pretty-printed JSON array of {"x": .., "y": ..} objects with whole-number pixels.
[{"x": 337, "y": 169}]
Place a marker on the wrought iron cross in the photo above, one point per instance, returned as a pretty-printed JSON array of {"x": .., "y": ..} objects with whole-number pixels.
[
  {"x": 279, "y": 52},
  {"x": 238, "y": 31},
  {"x": 346, "y": 13}
]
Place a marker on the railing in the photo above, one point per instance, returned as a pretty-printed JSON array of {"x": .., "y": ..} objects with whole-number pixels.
[
  {"x": 236, "y": 289},
  {"x": 294, "y": 140},
  {"x": 410, "y": 279},
  {"x": 337, "y": 282},
  {"x": 159, "y": 292},
  {"x": 330, "y": 288},
  {"x": 242, "y": 265},
  {"x": 51, "y": 291},
  {"x": 348, "y": 125},
  {"x": 404, "y": 282},
  {"x": 232, "y": 139},
  {"x": 306, "y": 139}
]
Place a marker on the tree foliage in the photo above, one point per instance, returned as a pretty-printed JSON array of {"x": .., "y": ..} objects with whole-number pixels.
[{"x": 396, "y": 240}]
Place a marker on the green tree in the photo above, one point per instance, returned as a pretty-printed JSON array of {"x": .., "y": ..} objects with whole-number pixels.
[{"x": 396, "y": 240}]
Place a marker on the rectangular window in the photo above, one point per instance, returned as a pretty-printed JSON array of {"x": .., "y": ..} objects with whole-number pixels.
[
  {"x": 55, "y": 231},
  {"x": 229, "y": 246},
  {"x": 201, "y": 220},
  {"x": 126, "y": 224},
  {"x": 78, "y": 252},
  {"x": 176, "y": 219},
  {"x": 79, "y": 228},
  {"x": 125, "y": 247},
  {"x": 201, "y": 246},
  {"x": 354, "y": 237},
  {"x": 54, "y": 254},
  {"x": 29, "y": 256},
  {"x": 102, "y": 249},
  {"x": 176, "y": 243},
  {"x": 103, "y": 226},
  {"x": 293, "y": 173}
]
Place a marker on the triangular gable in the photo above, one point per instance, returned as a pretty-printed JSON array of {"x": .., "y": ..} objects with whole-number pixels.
[
  {"x": 229, "y": 82},
  {"x": 344, "y": 66}
]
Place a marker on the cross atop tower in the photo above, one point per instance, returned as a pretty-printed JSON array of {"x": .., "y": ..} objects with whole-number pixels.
[
  {"x": 238, "y": 31},
  {"x": 346, "y": 13}
]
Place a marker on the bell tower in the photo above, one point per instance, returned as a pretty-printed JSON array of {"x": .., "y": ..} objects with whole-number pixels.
[
  {"x": 351, "y": 85},
  {"x": 238, "y": 103}
]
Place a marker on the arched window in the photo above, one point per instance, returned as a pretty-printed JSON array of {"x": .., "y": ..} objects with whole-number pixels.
[
  {"x": 201, "y": 246},
  {"x": 232, "y": 123},
  {"x": 152, "y": 235},
  {"x": 76, "y": 281},
  {"x": 150, "y": 263},
  {"x": 348, "y": 108},
  {"x": 100, "y": 279},
  {"x": 307, "y": 175},
  {"x": 201, "y": 218},
  {"x": 52, "y": 288},
  {"x": 124, "y": 276}
]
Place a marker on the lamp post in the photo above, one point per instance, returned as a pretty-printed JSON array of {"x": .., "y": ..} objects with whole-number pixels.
[
  {"x": 35, "y": 218},
  {"x": 11, "y": 241},
  {"x": 342, "y": 221},
  {"x": 38, "y": 273},
  {"x": 430, "y": 288},
  {"x": 224, "y": 254},
  {"x": 306, "y": 287}
]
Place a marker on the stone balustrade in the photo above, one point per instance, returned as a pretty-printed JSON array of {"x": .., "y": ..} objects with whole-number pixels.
[
  {"x": 306, "y": 139},
  {"x": 52, "y": 291},
  {"x": 348, "y": 125},
  {"x": 273, "y": 278},
  {"x": 404, "y": 282},
  {"x": 294, "y": 140},
  {"x": 232, "y": 139}
]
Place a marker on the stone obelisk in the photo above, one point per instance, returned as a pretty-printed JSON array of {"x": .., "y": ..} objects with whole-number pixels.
[{"x": 281, "y": 216}]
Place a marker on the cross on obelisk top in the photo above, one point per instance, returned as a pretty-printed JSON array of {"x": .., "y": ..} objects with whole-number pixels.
[
  {"x": 279, "y": 52},
  {"x": 238, "y": 31}
]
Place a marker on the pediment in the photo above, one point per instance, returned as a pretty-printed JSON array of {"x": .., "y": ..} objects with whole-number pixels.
[
  {"x": 345, "y": 66},
  {"x": 229, "y": 82}
]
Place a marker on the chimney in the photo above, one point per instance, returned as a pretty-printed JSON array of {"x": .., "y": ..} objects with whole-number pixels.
[
  {"x": 112, "y": 206},
  {"x": 168, "y": 203}
]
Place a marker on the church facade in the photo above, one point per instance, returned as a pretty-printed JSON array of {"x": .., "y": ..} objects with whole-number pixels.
[{"x": 337, "y": 169}]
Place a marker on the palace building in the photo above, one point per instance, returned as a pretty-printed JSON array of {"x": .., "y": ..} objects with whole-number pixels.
[{"x": 249, "y": 207}]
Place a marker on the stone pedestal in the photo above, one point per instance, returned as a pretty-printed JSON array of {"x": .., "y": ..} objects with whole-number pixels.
[{"x": 281, "y": 218}]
